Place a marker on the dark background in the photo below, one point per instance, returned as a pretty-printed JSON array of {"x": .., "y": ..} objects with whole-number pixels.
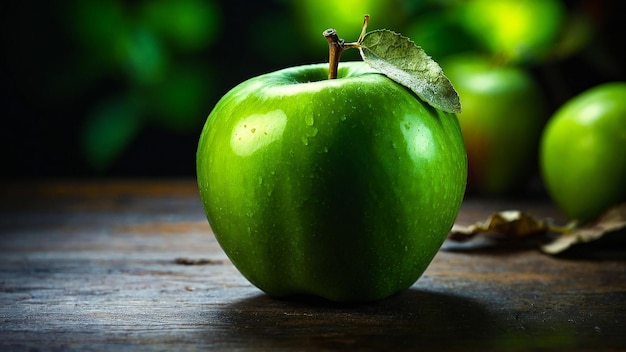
[{"x": 122, "y": 88}]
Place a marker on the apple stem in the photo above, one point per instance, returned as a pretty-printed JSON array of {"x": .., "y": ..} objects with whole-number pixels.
[
  {"x": 336, "y": 46},
  {"x": 366, "y": 19}
]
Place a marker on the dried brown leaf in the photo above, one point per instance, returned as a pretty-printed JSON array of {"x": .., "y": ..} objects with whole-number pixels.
[
  {"x": 515, "y": 224},
  {"x": 511, "y": 223},
  {"x": 611, "y": 221}
]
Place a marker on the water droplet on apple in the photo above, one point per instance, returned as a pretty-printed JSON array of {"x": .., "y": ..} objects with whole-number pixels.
[
  {"x": 253, "y": 130},
  {"x": 305, "y": 140},
  {"x": 343, "y": 117},
  {"x": 309, "y": 120}
]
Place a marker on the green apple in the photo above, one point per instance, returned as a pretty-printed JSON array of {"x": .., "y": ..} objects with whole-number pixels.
[
  {"x": 503, "y": 115},
  {"x": 583, "y": 152},
  {"x": 343, "y": 188},
  {"x": 311, "y": 15},
  {"x": 517, "y": 30}
]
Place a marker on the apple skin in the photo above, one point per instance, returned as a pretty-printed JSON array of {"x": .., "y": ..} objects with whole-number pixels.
[
  {"x": 343, "y": 189},
  {"x": 502, "y": 119},
  {"x": 583, "y": 152}
]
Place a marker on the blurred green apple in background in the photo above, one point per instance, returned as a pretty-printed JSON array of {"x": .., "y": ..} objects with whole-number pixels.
[
  {"x": 314, "y": 16},
  {"x": 503, "y": 115},
  {"x": 517, "y": 30},
  {"x": 583, "y": 152}
]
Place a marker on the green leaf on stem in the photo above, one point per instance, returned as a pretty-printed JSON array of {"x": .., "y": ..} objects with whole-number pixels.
[{"x": 398, "y": 58}]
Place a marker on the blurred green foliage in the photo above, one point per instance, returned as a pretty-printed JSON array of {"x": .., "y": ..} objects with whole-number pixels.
[
  {"x": 112, "y": 87},
  {"x": 149, "y": 45}
]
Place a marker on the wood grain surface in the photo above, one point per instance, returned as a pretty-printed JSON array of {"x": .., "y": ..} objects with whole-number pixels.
[{"x": 132, "y": 265}]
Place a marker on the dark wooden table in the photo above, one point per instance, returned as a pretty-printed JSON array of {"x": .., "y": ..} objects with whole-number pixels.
[{"x": 93, "y": 266}]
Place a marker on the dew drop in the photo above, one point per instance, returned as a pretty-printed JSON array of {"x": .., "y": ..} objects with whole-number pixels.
[{"x": 309, "y": 120}]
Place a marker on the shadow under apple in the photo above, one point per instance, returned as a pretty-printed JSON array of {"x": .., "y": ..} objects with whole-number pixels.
[{"x": 409, "y": 319}]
